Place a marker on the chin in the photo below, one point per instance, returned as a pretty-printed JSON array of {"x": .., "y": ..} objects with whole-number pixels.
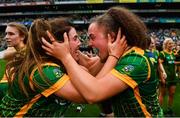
[
  {"x": 103, "y": 60},
  {"x": 9, "y": 45}
]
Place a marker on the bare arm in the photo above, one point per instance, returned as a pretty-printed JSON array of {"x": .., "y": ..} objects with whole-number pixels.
[
  {"x": 8, "y": 54},
  {"x": 116, "y": 49},
  {"x": 162, "y": 72},
  {"x": 93, "y": 64},
  {"x": 69, "y": 92},
  {"x": 89, "y": 86},
  {"x": 177, "y": 62}
]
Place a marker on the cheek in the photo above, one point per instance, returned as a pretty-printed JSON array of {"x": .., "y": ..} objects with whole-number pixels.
[
  {"x": 72, "y": 47},
  {"x": 15, "y": 39},
  {"x": 103, "y": 49}
]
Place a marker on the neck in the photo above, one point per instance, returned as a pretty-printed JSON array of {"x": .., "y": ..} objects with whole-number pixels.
[
  {"x": 168, "y": 50},
  {"x": 20, "y": 46}
]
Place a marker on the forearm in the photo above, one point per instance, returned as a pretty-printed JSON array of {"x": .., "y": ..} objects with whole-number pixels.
[
  {"x": 95, "y": 68},
  {"x": 161, "y": 68},
  {"x": 69, "y": 92},
  {"x": 177, "y": 62},
  {"x": 8, "y": 54},
  {"x": 108, "y": 66},
  {"x": 93, "y": 64},
  {"x": 82, "y": 80}
]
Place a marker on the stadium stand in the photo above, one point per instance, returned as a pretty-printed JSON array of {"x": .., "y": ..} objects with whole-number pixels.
[{"x": 161, "y": 16}]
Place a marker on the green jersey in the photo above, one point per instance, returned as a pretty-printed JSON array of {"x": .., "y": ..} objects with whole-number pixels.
[
  {"x": 141, "y": 98},
  {"x": 41, "y": 100},
  {"x": 153, "y": 56},
  {"x": 3, "y": 88},
  {"x": 167, "y": 59}
]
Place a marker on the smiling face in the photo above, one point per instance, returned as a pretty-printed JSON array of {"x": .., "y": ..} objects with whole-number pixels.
[
  {"x": 98, "y": 39},
  {"x": 74, "y": 43},
  {"x": 13, "y": 37},
  {"x": 170, "y": 45}
]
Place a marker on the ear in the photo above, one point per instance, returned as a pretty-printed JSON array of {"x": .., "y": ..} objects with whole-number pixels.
[{"x": 22, "y": 38}]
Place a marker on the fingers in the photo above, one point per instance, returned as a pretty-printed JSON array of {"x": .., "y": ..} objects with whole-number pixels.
[
  {"x": 66, "y": 39},
  {"x": 119, "y": 38},
  {"x": 48, "y": 50},
  {"x": 46, "y": 46},
  {"x": 123, "y": 40},
  {"x": 46, "y": 43},
  {"x": 109, "y": 39},
  {"x": 52, "y": 39},
  {"x": 119, "y": 34}
]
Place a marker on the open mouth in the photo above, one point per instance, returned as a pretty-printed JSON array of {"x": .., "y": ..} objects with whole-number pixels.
[{"x": 96, "y": 51}]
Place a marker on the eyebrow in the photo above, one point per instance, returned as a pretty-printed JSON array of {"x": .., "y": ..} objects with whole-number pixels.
[{"x": 10, "y": 32}]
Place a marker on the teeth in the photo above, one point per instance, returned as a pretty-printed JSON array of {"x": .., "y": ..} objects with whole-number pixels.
[{"x": 96, "y": 50}]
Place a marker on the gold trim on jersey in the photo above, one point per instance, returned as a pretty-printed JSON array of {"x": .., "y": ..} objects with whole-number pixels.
[
  {"x": 130, "y": 82},
  {"x": 27, "y": 106},
  {"x": 46, "y": 92},
  {"x": 3, "y": 81},
  {"x": 149, "y": 67},
  {"x": 60, "y": 83}
]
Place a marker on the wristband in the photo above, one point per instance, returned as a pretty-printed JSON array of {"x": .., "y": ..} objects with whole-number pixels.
[{"x": 114, "y": 57}]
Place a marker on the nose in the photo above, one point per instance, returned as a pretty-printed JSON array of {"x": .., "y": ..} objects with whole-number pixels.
[
  {"x": 79, "y": 41},
  {"x": 6, "y": 37}
]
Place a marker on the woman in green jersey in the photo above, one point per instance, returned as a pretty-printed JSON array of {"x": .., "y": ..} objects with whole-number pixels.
[
  {"x": 128, "y": 81},
  {"x": 38, "y": 83},
  {"x": 16, "y": 35},
  {"x": 167, "y": 58},
  {"x": 153, "y": 55}
]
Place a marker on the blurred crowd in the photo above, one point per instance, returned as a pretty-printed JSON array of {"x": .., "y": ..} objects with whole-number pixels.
[
  {"x": 158, "y": 34},
  {"x": 161, "y": 34}
]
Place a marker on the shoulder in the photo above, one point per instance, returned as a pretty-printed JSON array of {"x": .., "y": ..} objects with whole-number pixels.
[
  {"x": 51, "y": 71},
  {"x": 136, "y": 57},
  {"x": 134, "y": 65},
  {"x": 134, "y": 61}
]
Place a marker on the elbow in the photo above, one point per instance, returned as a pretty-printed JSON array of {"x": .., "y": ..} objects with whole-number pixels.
[{"x": 92, "y": 99}]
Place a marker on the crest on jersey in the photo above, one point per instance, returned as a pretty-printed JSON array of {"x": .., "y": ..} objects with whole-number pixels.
[
  {"x": 128, "y": 68},
  {"x": 57, "y": 73}
]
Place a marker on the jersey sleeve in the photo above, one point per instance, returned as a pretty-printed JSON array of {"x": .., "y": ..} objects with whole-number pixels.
[
  {"x": 157, "y": 52},
  {"x": 52, "y": 80},
  {"x": 162, "y": 56},
  {"x": 132, "y": 69}
]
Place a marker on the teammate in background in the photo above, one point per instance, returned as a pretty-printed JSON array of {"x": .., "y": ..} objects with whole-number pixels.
[
  {"x": 128, "y": 79},
  {"x": 39, "y": 85},
  {"x": 154, "y": 54},
  {"x": 16, "y": 38},
  {"x": 167, "y": 58}
]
